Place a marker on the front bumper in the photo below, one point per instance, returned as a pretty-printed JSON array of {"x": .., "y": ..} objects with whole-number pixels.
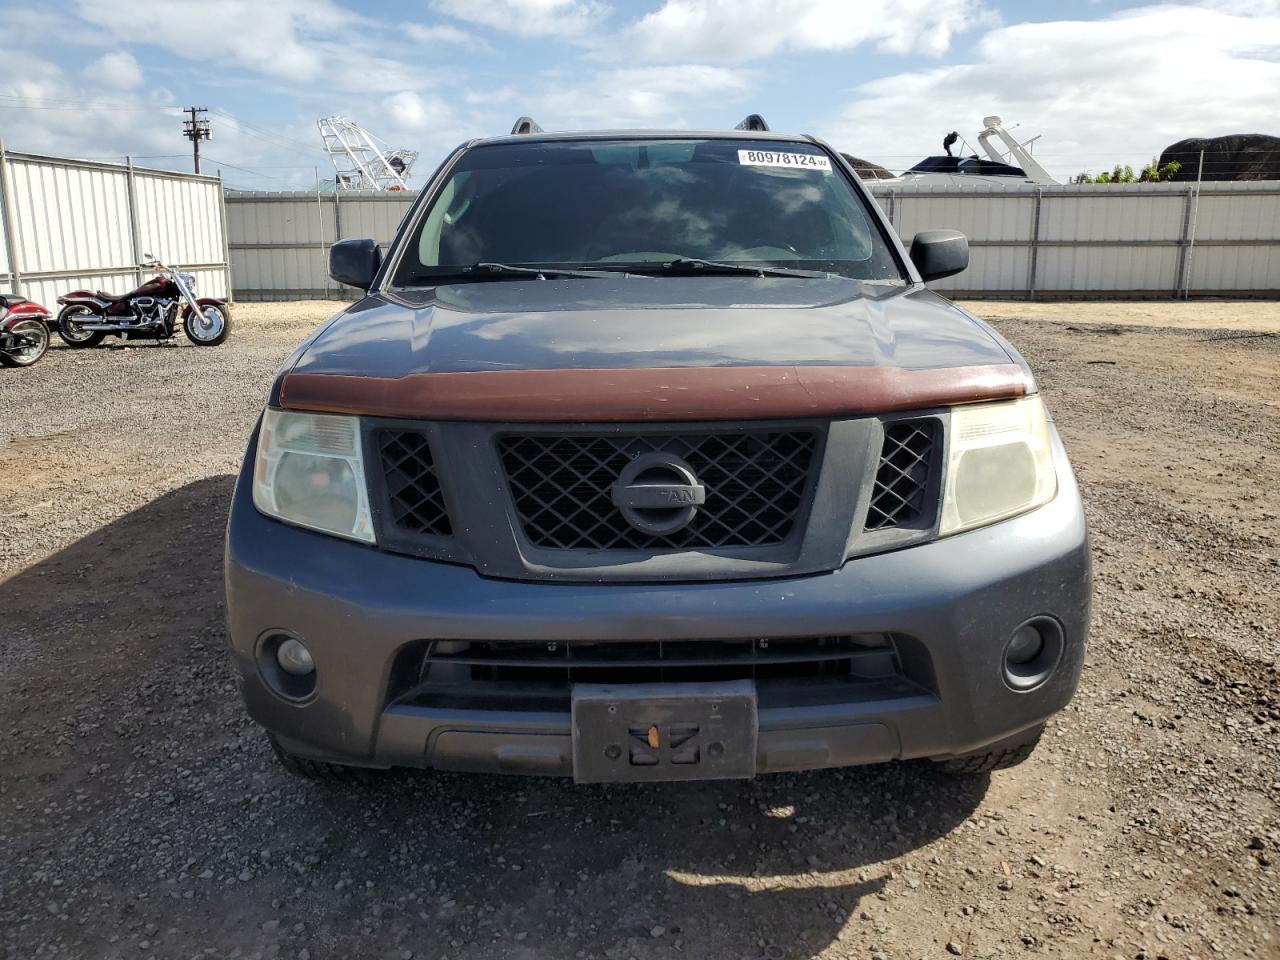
[{"x": 956, "y": 600}]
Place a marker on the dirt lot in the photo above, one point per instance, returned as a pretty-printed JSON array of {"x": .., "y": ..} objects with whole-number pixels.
[{"x": 141, "y": 814}]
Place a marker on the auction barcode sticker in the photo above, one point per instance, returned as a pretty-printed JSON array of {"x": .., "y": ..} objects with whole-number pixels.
[{"x": 774, "y": 158}]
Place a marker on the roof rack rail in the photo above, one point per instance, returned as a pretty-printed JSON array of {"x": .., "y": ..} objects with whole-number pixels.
[
  {"x": 753, "y": 122},
  {"x": 525, "y": 125}
]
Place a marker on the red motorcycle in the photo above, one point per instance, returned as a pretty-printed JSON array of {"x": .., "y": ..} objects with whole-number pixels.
[
  {"x": 24, "y": 331},
  {"x": 150, "y": 312}
]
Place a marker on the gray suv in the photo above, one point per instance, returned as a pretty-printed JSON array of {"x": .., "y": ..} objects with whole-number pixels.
[{"x": 650, "y": 456}]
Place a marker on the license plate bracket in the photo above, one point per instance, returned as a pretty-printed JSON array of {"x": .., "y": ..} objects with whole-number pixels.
[{"x": 648, "y": 732}]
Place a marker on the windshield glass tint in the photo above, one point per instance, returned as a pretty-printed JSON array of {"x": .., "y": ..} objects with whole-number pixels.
[{"x": 611, "y": 203}]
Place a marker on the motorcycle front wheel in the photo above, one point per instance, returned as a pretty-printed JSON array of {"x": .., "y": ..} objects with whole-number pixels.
[
  {"x": 37, "y": 335},
  {"x": 71, "y": 333},
  {"x": 209, "y": 327}
]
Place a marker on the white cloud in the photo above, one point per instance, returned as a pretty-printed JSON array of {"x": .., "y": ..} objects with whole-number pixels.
[
  {"x": 411, "y": 111},
  {"x": 529, "y": 18},
  {"x": 117, "y": 70},
  {"x": 317, "y": 54},
  {"x": 280, "y": 38},
  {"x": 53, "y": 110},
  {"x": 1249, "y": 8},
  {"x": 27, "y": 28},
  {"x": 635, "y": 96},
  {"x": 438, "y": 33},
  {"x": 313, "y": 42},
  {"x": 737, "y": 31},
  {"x": 1101, "y": 92},
  {"x": 78, "y": 115}
]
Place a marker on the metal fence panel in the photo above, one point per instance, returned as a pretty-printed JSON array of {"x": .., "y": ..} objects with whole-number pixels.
[
  {"x": 1131, "y": 240},
  {"x": 276, "y": 219},
  {"x": 1238, "y": 216},
  {"x": 71, "y": 224},
  {"x": 376, "y": 215},
  {"x": 1235, "y": 270},
  {"x": 994, "y": 269},
  {"x": 66, "y": 218},
  {"x": 1106, "y": 269},
  {"x": 1004, "y": 216},
  {"x": 279, "y": 242},
  {"x": 1122, "y": 217},
  {"x": 180, "y": 221},
  {"x": 282, "y": 273},
  {"x": 6, "y": 278}
]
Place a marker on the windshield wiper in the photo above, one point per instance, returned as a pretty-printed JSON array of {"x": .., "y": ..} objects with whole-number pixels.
[
  {"x": 501, "y": 271},
  {"x": 689, "y": 266}
]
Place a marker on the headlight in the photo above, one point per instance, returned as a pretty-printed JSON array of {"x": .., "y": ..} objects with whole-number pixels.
[
  {"x": 1000, "y": 463},
  {"x": 310, "y": 471},
  {"x": 190, "y": 280}
]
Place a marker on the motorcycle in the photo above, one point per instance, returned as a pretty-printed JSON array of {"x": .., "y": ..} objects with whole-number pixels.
[
  {"x": 24, "y": 331},
  {"x": 150, "y": 312}
]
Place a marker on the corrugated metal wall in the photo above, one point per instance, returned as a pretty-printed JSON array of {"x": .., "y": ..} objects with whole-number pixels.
[
  {"x": 280, "y": 241},
  {"x": 1088, "y": 240},
  {"x": 68, "y": 224},
  {"x": 1103, "y": 240}
]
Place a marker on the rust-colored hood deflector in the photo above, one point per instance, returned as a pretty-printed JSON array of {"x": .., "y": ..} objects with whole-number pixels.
[{"x": 661, "y": 394}]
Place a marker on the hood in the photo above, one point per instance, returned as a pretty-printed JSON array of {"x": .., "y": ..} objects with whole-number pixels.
[
  {"x": 522, "y": 340},
  {"x": 639, "y": 322}
]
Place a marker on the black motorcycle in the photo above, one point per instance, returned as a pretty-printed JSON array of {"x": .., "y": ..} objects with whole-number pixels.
[{"x": 151, "y": 312}]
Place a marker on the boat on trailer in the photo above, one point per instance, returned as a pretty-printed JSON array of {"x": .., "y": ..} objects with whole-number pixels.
[{"x": 1012, "y": 166}]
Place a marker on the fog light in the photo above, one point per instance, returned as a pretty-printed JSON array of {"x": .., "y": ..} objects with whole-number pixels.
[
  {"x": 1032, "y": 653},
  {"x": 294, "y": 657},
  {"x": 1024, "y": 646}
]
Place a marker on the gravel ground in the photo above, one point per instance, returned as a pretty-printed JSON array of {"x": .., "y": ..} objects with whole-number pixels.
[{"x": 141, "y": 814}]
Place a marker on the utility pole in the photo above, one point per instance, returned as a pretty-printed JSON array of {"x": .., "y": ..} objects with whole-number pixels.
[{"x": 196, "y": 130}]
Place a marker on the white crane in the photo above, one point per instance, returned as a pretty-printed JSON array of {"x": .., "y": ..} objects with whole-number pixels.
[{"x": 360, "y": 161}]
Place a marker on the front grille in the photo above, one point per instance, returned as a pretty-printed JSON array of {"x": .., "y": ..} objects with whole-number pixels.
[
  {"x": 756, "y": 483},
  {"x": 902, "y": 477},
  {"x": 414, "y": 496}
]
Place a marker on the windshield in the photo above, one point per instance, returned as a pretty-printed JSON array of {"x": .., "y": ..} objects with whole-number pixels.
[{"x": 608, "y": 204}]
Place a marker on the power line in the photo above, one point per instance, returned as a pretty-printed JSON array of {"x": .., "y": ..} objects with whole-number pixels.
[
  {"x": 276, "y": 140},
  {"x": 269, "y": 134},
  {"x": 255, "y": 173},
  {"x": 14, "y": 102}
]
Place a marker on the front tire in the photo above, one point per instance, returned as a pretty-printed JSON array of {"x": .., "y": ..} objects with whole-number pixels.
[
  {"x": 1000, "y": 755},
  {"x": 38, "y": 333},
  {"x": 69, "y": 331},
  {"x": 208, "y": 328}
]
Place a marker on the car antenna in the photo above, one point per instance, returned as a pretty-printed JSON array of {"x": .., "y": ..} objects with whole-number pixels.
[
  {"x": 525, "y": 125},
  {"x": 753, "y": 122}
]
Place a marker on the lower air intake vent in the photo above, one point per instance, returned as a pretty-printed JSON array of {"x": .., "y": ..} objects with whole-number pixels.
[
  {"x": 902, "y": 478},
  {"x": 413, "y": 489},
  {"x": 669, "y": 661}
]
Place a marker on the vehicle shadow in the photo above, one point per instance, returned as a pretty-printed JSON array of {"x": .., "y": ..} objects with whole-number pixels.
[
  {"x": 123, "y": 719},
  {"x": 115, "y": 343}
]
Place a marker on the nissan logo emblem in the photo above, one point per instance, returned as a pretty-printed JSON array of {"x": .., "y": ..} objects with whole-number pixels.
[{"x": 658, "y": 494}]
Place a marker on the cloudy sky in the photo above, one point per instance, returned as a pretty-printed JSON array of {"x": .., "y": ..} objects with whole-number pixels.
[{"x": 1102, "y": 82}]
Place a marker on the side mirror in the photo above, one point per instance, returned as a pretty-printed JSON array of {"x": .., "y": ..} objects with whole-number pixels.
[
  {"x": 939, "y": 253},
  {"x": 355, "y": 262}
]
